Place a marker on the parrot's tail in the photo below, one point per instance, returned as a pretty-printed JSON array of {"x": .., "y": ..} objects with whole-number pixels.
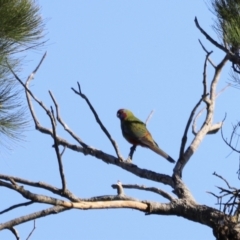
[{"x": 159, "y": 151}]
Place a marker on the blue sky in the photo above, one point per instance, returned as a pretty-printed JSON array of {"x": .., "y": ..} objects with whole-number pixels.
[{"x": 139, "y": 55}]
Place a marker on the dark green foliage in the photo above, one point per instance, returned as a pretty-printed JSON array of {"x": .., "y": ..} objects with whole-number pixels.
[
  {"x": 228, "y": 22},
  {"x": 21, "y": 28},
  {"x": 20, "y": 24}
]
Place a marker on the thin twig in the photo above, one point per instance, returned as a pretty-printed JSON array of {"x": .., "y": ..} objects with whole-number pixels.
[
  {"x": 119, "y": 187},
  {"x": 205, "y": 75},
  {"x": 150, "y": 189},
  {"x": 219, "y": 176},
  {"x": 15, "y": 233},
  {"x": 66, "y": 128},
  {"x": 213, "y": 194},
  {"x": 230, "y": 55},
  {"x": 29, "y": 93},
  {"x": 114, "y": 144},
  {"x": 42, "y": 185},
  {"x": 59, "y": 157},
  {"x": 211, "y": 62},
  {"x": 206, "y": 126},
  {"x": 149, "y": 117},
  {"x": 194, "y": 129},
  {"x": 223, "y": 89},
  {"x": 208, "y": 37},
  {"x": 32, "y": 216},
  {"x": 230, "y": 142},
  {"x": 64, "y": 148},
  {"x": 16, "y": 206},
  {"x": 194, "y": 125},
  {"x": 34, "y": 227},
  {"x": 184, "y": 138}
]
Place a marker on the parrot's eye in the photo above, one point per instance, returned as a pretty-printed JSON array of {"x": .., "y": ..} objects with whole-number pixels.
[{"x": 119, "y": 114}]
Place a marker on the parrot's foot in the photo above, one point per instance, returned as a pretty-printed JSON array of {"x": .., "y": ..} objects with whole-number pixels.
[{"x": 128, "y": 160}]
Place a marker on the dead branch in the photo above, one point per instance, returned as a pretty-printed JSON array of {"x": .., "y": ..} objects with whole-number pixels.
[
  {"x": 114, "y": 144},
  {"x": 119, "y": 188},
  {"x": 232, "y": 196},
  {"x": 69, "y": 195},
  {"x": 204, "y": 95},
  {"x": 184, "y": 138},
  {"x": 150, "y": 189},
  {"x": 209, "y": 60},
  {"x": 107, "y": 158},
  {"x": 101, "y": 203},
  {"x": 32, "y": 216},
  {"x": 29, "y": 93},
  {"x": 209, "y": 38},
  {"x": 15, "y": 233},
  {"x": 34, "y": 227},
  {"x": 234, "y": 132},
  {"x": 219, "y": 176},
  {"x": 205, "y": 75},
  {"x": 118, "y": 197},
  {"x": 66, "y": 128},
  {"x": 215, "y": 127},
  {"x": 207, "y": 124},
  {"x": 59, "y": 156},
  {"x": 16, "y": 206}
]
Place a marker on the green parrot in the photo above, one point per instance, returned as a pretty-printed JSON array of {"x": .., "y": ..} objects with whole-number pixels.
[{"x": 136, "y": 133}]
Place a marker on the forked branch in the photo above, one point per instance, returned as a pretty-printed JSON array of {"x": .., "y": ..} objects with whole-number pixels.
[
  {"x": 114, "y": 144},
  {"x": 207, "y": 126}
]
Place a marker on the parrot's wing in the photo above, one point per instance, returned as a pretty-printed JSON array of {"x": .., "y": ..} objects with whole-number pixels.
[
  {"x": 147, "y": 140},
  {"x": 134, "y": 129}
]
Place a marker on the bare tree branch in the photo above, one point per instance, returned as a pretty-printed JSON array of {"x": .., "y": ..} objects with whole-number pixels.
[
  {"x": 234, "y": 58},
  {"x": 150, "y": 189},
  {"x": 215, "y": 127},
  {"x": 205, "y": 75},
  {"x": 231, "y": 205},
  {"x": 16, "y": 206},
  {"x": 209, "y": 60},
  {"x": 209, "y": 38},
  {"x": 15, "y": 233},
  {"x": 32, "y": 216},
  {"x": 219, "y": 176},
  {"x": 120, "y": 196},
  {"x": 59, "y": 157},
  {"x": 78, "y": 205},
  {"x": 149, "y": 117},
  {"x": 143, "y": 173},
  {"x": 34, "y": 227},
  {"x": 119, "y": 188},
  {"x": 229, "y": 143},
  {"x": 29, "y": 93},
  {"x": 207, "y": 123},
  {"x": 204, "y": 95},
  {"x": 69, "y": 195},
  {"x": 184, "y": 138},
  {"x": 79, "y": 92},
  {"x": 66, "y": 128}
]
